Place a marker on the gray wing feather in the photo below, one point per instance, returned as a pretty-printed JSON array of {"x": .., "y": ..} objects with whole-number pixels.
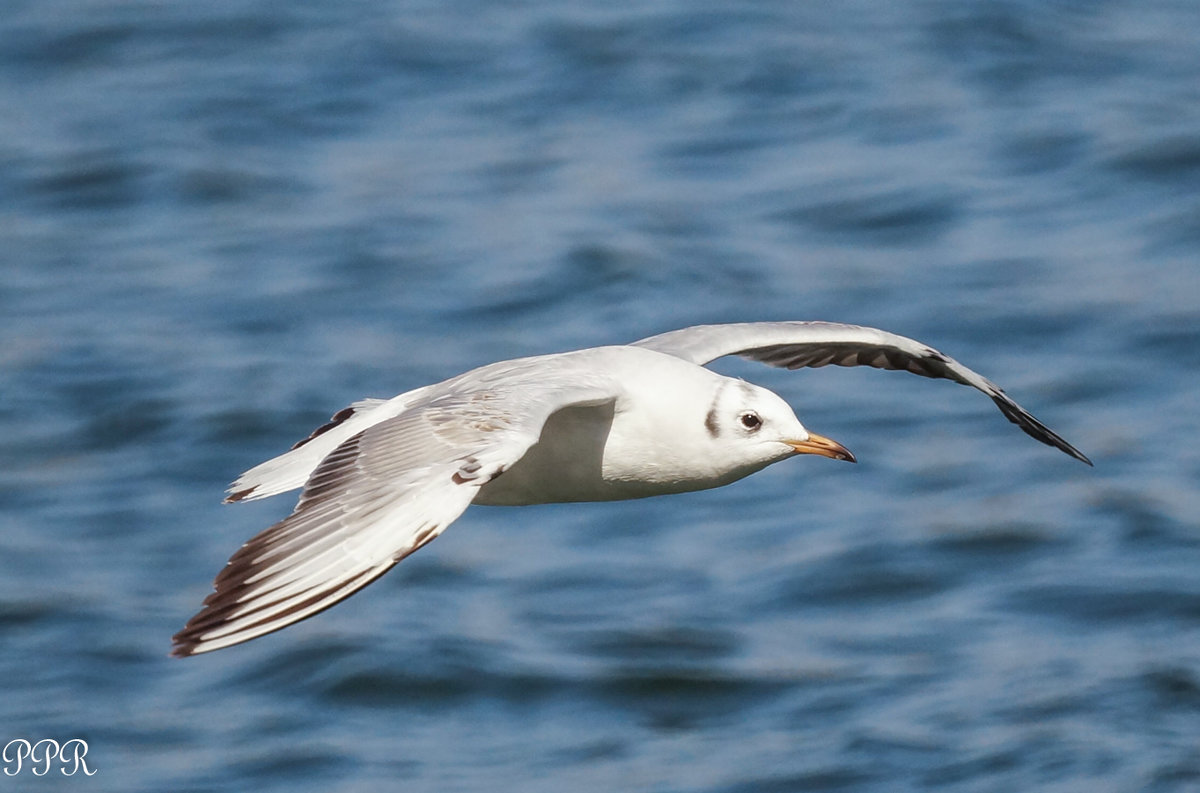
[
  {"x": 376, "y": 498},
  {"x": 793, "y": 345}
]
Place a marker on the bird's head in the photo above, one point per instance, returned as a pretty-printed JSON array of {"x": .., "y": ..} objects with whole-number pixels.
[{"x": 757, "y": 427}]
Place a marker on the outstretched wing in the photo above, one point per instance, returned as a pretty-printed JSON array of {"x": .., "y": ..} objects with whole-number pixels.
[
  {"x": 798, "y": 344},
  {"x": 377, "y": 497}
]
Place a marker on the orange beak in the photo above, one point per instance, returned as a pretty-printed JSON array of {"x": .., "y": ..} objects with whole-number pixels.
[{"x": 820, "y": 445}]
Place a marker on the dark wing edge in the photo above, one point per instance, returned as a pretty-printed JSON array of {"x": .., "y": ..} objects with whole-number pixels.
[{"x": 795, "y": 345}]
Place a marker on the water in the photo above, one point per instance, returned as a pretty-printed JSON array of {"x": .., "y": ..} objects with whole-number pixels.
[{"x": 222, "y": 222}]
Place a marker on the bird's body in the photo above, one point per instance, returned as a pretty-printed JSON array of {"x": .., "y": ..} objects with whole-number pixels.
[
  {"x": 611, "y": 451},
  {"x": 384, "y": 477}
]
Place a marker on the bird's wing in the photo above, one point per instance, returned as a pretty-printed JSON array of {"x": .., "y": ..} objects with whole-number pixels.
[
  {"x": 798, "y": 344},
  {"x": 377, "y": 497}
]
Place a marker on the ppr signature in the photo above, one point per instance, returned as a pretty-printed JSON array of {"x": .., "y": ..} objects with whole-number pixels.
[{"x": 43, "y": 754}]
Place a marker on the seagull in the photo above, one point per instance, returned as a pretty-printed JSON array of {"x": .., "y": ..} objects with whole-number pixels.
[{"x": 386, "y": 476}]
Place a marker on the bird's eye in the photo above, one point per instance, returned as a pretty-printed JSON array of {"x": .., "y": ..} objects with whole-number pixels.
[{"x": 750, "y": 420}]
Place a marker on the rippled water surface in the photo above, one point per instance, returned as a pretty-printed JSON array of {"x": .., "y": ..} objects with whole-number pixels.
[{"x": 221, "y": 222}]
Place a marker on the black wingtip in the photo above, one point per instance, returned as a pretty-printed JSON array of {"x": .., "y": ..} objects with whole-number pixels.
[
  {"x": 181, "y": 648},
  {"x": 1036, "y": 429},
  {"x": 239, "y": 495},
  {"x": 1051, "y": 438},
  {"x": 1067, "y": 448}
]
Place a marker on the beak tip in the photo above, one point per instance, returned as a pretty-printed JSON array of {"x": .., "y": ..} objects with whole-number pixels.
[
  {"x": 824, "y": 447},
  {"x": 844, "y": 454}
]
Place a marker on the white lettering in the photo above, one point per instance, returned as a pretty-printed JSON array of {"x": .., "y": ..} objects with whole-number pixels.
[
  {"x": 22, "y": 751},
  {"x": 41, "y": 756},
  {"x": 47, "y": 758},
  {"x": 79, "y": 748}
]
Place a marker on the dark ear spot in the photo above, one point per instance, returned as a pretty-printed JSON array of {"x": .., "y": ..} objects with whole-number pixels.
[{"x": 711, "y": 421}]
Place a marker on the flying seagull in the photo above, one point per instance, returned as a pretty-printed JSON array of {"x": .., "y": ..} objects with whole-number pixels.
[{"x": 386, "y": 476}]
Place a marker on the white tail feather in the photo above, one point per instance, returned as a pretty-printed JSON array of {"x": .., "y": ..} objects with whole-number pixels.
[{"x": 291, "y": 469}]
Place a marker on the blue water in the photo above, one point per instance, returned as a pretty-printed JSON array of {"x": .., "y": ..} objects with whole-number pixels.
[{"x": 221, "y": 222}]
